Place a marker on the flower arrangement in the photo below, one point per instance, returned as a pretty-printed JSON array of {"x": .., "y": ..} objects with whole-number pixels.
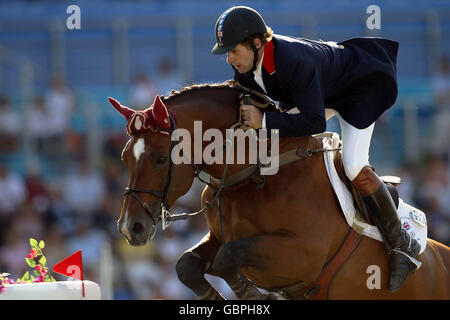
[{"x": 36, "y": 260}]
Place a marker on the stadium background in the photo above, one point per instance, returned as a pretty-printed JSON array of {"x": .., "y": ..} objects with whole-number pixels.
[{"x": 61, "y": 179}]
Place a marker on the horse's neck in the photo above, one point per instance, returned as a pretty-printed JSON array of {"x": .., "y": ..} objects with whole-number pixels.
[
  {"x": 214, "y": 108},
  {"x": 218, "y": 110},
  {"x": 201, "y": 110}
]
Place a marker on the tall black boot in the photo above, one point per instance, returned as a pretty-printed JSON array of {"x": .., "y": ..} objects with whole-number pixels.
[{"x": 401, "y": 247}]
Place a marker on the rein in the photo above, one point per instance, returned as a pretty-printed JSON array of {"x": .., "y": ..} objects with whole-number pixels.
[
  {"x": 219, "y": 185},
  {"x": 223, "y": 184}
]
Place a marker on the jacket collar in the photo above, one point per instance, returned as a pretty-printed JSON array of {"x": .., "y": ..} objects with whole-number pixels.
[{"x": 269, "y": 60}]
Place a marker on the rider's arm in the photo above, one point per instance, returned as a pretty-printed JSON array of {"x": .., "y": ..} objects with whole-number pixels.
[{"x": 305, "y": 86}]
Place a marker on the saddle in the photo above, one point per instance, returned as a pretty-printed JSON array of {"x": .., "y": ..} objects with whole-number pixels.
[
  {"x": 391, "y": 183},
  {"x": 259, "y": 100}
]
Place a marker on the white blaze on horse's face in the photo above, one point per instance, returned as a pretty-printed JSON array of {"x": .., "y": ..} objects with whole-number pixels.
[{"x": 138, "y": 149}]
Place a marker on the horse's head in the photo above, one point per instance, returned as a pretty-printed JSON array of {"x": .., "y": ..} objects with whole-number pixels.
[{"x": 152, "y": 186}]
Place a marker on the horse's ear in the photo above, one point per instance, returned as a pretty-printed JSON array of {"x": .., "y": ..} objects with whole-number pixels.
[
  {"x": 125, "y": 111},
  {"x": 161, "y": 114}
]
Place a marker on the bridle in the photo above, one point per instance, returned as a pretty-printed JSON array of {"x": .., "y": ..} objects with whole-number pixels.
[
  {"x": 166, "y": 217},
  {"x": 219, "y": 188},
  {"x": 163, "y": 195}
]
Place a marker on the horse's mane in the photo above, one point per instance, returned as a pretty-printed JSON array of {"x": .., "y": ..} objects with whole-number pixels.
[
  {"x": 198, "y": 87},
  {"x": 257, "y": 99}
]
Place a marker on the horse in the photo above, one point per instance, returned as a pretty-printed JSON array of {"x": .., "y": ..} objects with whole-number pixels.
[{"x": 279, "y": 236}]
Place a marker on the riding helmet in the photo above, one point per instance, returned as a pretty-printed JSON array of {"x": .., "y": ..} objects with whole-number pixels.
[{"x": 234, "y": 26}]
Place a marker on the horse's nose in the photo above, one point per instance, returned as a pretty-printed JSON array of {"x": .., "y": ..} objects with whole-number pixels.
[
  {"x": 138, "y": 228},
  {"x": 139, "y": 232}
]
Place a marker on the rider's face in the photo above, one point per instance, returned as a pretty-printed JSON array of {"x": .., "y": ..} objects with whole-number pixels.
[{"x": 241, "y": 58}]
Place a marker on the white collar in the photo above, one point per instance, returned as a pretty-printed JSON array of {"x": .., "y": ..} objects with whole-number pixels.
[{"x": 258, "y": 70}]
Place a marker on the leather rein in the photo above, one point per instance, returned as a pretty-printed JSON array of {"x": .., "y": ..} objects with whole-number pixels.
[{"x": 219, "y": 186}]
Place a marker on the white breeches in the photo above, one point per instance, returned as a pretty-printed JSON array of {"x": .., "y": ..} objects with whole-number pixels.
[{"x": 355, "y": 145}]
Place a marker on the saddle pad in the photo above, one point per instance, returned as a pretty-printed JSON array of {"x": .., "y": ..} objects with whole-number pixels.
[{"x": 412, "y": 219}]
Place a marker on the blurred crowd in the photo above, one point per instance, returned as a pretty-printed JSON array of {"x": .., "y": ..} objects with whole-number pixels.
[
  {"x": 78, "y": 208},
  {"x": 426, "y": 184}
]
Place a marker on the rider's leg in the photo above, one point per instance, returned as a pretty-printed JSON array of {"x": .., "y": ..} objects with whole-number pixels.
[{"x": 402, "y": 248}]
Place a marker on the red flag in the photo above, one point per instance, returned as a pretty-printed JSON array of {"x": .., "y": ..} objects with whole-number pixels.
[{"x": 71, "y": 266}]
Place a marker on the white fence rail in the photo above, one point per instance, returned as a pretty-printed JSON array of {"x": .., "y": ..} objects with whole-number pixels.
[{"x": 59, "y": 290}]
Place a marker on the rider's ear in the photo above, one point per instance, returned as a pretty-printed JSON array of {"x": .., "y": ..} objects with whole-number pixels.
[{"x": 257, "y": 42}]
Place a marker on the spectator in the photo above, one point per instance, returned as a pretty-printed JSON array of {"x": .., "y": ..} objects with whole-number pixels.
[
  {"x": 106, "y": 216},
  {"x": 406, "y": 189},
  {"x": 141, "y": 267},
  {"x": 83, "y": 189},
  {"x": 115, "y": 179},
  {"x": 441, "y": 91},
  {"x": 60, "y": 102},
  {"x": 143, "y": 93},
  {"x": 441, "y": 83},
  {"x": 90, "y": 241},
  {"x": 433, "y": 196},
  {"x": 28, "y": 223},
  {"x": 10, "y": 127},
  {"x": 39, "y": 124},
  {"x": 13, "y": 191},
  {"x": 13, "y": 253},
  {"x": 60, "y": 212},
  {"x": 168, "y": 79},
  {"x": 55, "y": 247},
  {"x": 37, "y": 190}
]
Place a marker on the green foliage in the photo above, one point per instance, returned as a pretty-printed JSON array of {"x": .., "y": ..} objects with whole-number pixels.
[{"x": 36, "y": 260}]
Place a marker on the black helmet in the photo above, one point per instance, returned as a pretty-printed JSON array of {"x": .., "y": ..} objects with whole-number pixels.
[{"x": 234, "y": 26}]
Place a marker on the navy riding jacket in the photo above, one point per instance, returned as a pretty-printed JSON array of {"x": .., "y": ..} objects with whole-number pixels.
[{"x": 356, "y": 77}]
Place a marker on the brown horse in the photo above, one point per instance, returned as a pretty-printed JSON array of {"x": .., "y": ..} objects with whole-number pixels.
[{"x": 280, "y": 236}]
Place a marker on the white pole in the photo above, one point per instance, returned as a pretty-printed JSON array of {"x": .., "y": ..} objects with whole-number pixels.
[{"x": 106, "y": 272}]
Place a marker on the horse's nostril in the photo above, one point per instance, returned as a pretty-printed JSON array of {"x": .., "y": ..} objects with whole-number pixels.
[{"x": 138, "y": 227}]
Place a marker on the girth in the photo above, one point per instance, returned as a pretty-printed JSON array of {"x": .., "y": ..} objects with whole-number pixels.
[{"x": 319, "y": 288}]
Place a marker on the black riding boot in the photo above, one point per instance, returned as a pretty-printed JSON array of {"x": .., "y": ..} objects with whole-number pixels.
[{"x": 401, "y": 247}]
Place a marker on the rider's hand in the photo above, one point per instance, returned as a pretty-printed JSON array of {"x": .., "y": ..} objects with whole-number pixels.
[{"x": 251, "y": 116}]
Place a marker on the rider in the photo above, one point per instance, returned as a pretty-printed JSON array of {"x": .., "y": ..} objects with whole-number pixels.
[{"x": 354, "y": 79}]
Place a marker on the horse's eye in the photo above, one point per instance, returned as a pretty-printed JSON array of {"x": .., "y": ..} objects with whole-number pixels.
[{"x": 161, "y": 159}]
